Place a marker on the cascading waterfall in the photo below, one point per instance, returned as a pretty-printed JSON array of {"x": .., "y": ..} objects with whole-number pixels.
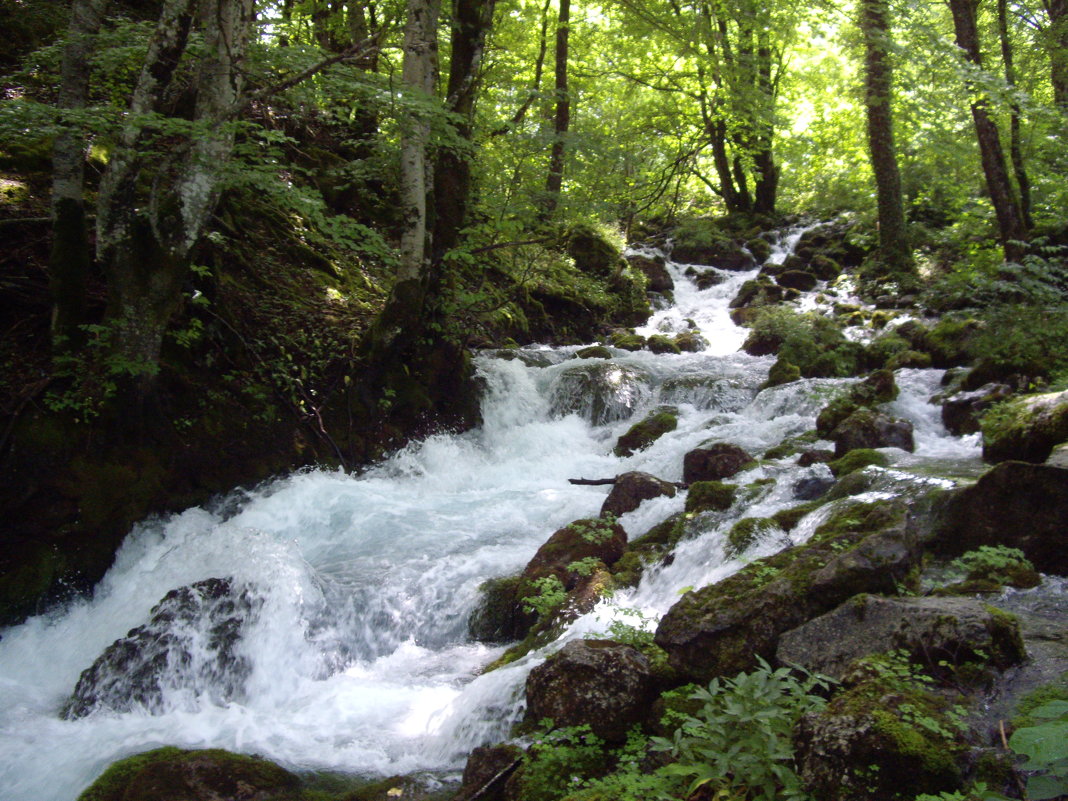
[{"x": 343, "y": 601}]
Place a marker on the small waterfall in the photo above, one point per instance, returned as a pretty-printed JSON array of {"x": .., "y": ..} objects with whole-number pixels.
[{"x": 348, "y": 596}]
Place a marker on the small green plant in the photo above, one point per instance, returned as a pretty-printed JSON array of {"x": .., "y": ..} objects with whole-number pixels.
[
  {"x": 584, "y": 567},
  {"x": 549, "y": 596},
  {"x": 559, "y": 761},
  {"x": 997, "y": 563},
  {"x": 1045, "y": 745},
  {"x": 595, "y": 530},
  {"x": 741, "y": 738}
]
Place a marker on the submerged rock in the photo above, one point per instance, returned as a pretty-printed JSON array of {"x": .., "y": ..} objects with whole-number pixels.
[
  {"x": 604, "y": 684},
  {"x": 188, "y": 645},
  {"x": 631, "y": 489},
  {"x": 599, "y": 392},
  {"x": 939, "y": 633}
]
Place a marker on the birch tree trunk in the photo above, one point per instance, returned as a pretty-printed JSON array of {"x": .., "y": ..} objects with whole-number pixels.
[{"x": 70, "y": 258}]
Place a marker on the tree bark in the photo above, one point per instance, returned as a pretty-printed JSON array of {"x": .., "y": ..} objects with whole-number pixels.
[
  {"x": 894, "y": 248},
  {"x": 70, "y": 258},
  {"x": 554, "y": 181},
  {"x": 1057, "y": 34},
  {"x": 1011, "y": 227},
  {"x": 1019, "y": 167}
]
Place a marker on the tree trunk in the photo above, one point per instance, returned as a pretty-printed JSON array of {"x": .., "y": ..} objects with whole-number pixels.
[
  {"x": 562, "y": 121},
  {"x": 894, "y": 248},
  {"x": 766, "y": 171},
  {"x": 145, "y": 251},
  {"x": 70, "y": 259},
  {"x": 1013, "y": 232},
  {"x": 1019, "y": 168},
  {"x": 1057, "y": 35}
]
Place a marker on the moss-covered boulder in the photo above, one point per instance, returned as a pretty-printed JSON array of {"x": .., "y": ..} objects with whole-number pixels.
[
  {"x": 858, "y": 459},
  {"x": 659, "y": 343},
  {"x": 171, "y": 774},
  {"x": 1015, "y": 504},
  {"x": 593, "y": 252},
  {"x": 757, "y": 292},
  {"x": 867, "y": 428},
  {"x": 706, "y": 496},
  {"x": 592, "y": 539},
  {"x": 496, "y": 618},
  {"x": 627, "y": 340},
  {"x": 750, "y": 531},
  {"x": 951, "y": 637},
  {"x": 714, "y": 462},
  {"x": 801, "y": 280},
  {"x": 1025, "y": 429},
  {"x": 655, "y": 270},
  {"x": 630, "y": 489},
  {"x": 782, "y": 372},
  {"x": 705, "y": 242},
  {"x": 600, "y": 683},
  {"x": 962, "y": 413},
  {"x": 882, "y": 739},
  {"x": 722, "y": 629},
  {"x": 487, "y": 770},
  {"x": 599, "y": 391},
  {"x": 643, "y": 434},
  {"x": 594, "y": 352},
  {"x": 690, "y": 341}
]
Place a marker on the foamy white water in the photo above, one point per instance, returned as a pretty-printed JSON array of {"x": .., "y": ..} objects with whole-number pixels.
[{"x": 356, "y": 645}]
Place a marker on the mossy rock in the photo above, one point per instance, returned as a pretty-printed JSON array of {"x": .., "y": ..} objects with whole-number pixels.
[
  {"x": 858, "y": 459},
  {"x": 627, "y": 340},
  {"x": 690, "y": 342},
  {"x": 881, "y": 739},
  {"x": 834, "y": 413},
  {"x": 644, "y": 433},
  {"x": 782, "y": 372},
  {"x": 1025, "y": 428},
  {"x": 724, "y": 628},
  {"x": 747, "y": 532},
  {"x": 495, "y": 619},
  {"x": 592, "y": 251},
  {"x": 658, "y": 343},
  {"x": 594, "y": 352},
  {"x": 710, "y": 495},
  {"x": 172, "y": 774},
  {"x": 760, "y": 248},
  {"x": 950, "y": 342},
  {"x": 886, "y": 347},
  {"x": 787, "y": 519},
  {"x": 909, "y": 358}
]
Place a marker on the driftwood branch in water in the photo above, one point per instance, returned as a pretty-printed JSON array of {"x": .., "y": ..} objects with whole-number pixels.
[{"x": 604, "y": 482}]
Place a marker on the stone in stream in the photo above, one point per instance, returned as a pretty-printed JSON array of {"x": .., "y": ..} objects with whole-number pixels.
[
  {"x": 605, "y": 684},
  {"x": 655, "y": 270},
  {"x": 643, "y": 434},
  {"x": 939, "y": 633},
  {"x": 961, "y": 412},
  {"x": 867, "y": 428},
  {"x": 631, "y": 489},
  {"x": 188, "y": 645},
  {"x": 1017, "y": 504},
  {"x": 1027, "y": 429},
  {"x": 714, "y": 462},
  {"x": 599, "y": 392},
  {"x": 722, "y": 629}
]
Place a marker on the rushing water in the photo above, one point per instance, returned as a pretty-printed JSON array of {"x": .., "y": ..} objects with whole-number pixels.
[{"x": 355, "y": 650}]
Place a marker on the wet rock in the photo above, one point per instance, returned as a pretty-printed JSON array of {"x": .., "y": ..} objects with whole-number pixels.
[
  {"x": 757, "y": 292},
  {"x": 706, "y": 279},
  {"x": 726, "y": 254},
  {"x": 171, "y": 774},
  {"x": 627, "y": 340},
  {"x": 591, "y": 251},
  {"x": 814, "y": 456},
  {"x": 655, "y": 270},
  {"x": 690, "y": 341},
  {"x": 750, "y": 531},
  {"x": 714, "y": 462},
  {"x": 583, "y": 539},
  {"x": 939, "y": 633},
  {"x": 961, "y": 412},
  {"x": 497, "y": 617},
  {"x": 865, "y": 746},
  {"x": 866, "y": 428},
  {"x": 594, "y": 352},
  {"x": 658, "y": 343},
  {"x": 486, "y": 772},
  {"x": 599, "y": 392},
  {"x": 782, "y": 372},
  {"x": 857, "y": 459},
  {"x": 812, "y": 487},
  {"x": 706, "y": 392},
  {"x": 722, "y": 629},
  {"x": 1016, "y": 504},
  {"x": 706, "y": 496},
  {"x": 602, "y": 683},
  {"x": 189, "y": 644},
  {"x": 631, "y": 489},
  {"x": 797, "y": 279},
  {"x": 643, "y": 434},
  {"x": 1026, "y": 429}
]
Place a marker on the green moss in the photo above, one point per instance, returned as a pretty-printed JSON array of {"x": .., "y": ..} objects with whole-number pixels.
[
  {"x": 782, "y": 372},
  {"x": 787, "y": 519},
  {"x": 909, "y": 358},
  {"x": 1056, "y": 690},
  {"x": 658, "y": 343},
  {"x": 594, "y": 352},
  {"x": 747, "y": 532},
  {"x": 626, "y": 340},
  {"x": 859, "y": 519},
  {"x": 644, "y": 433},
  {"x": 949, "y": 342},
  {"x": 710, "y": 495},
  {"x": 858, "y": 459}
]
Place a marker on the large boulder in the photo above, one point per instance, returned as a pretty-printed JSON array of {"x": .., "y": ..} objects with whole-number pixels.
[
  {"x": 605, "y": 684},
  {"x": 961, "y": 413},
  {"x": 1016, "y": 504},
  {"x": 599, "y": 392},
  {"x": 937, "y": 633},
  {"x": 583, "y": 539},
  {"x": 189, "y": 644},
  {"x": 797, "y": 279},
  {"x": 171, "y": 774},
  {"x": 724, "y": 253},
  {"x": 1026, "y": 429},
  {"x": 722, "y": 629},
  {"x": 644, "y": 433},
  {"x": 655, "y": 270},
  {"x": 714, "y": 462},
  {"x": 631, "y": 489},
  {"x": 867, "y": 428}
]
